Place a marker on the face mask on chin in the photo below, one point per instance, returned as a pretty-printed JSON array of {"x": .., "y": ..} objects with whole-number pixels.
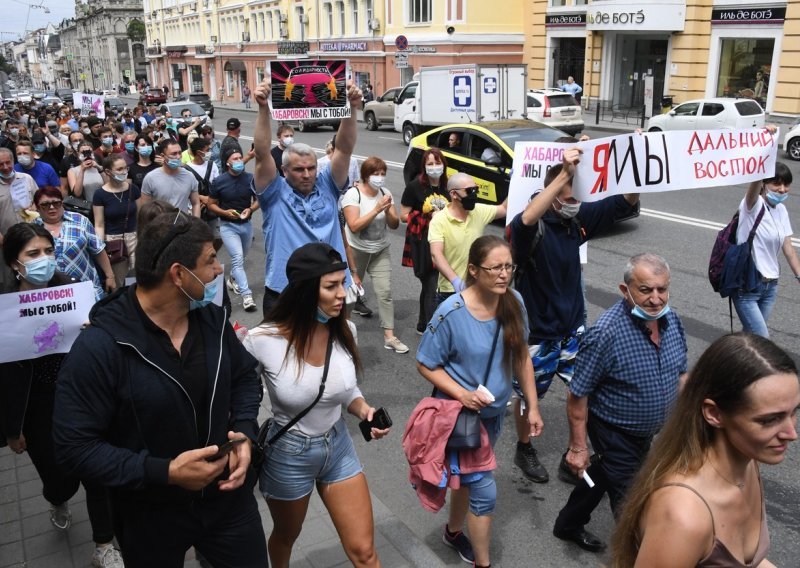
[
  {"x": 209, "y": 292},
  {"x": 638, "y": 312}
]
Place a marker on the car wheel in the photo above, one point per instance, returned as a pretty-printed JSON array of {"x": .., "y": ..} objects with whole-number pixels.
[
  {"x": 408, "y": 133},
  {"x": 793, "y": 148},
  {"x": 655, "y": 129},
  {"x": 372, "y": 123},
  {"x": 303, "y": 126}
]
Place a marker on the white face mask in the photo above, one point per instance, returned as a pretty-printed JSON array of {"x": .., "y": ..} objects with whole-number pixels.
[
  {"x": 568, "y": 210},
  {"x": 288, "y": 141},
  {"x": 377, "y": 181},
  {"x": 434, "y": 171}
]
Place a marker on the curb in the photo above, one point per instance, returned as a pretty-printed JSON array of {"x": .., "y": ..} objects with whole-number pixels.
[{"x": 402, "y": 538}]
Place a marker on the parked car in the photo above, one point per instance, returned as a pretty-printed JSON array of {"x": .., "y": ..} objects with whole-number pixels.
[
  {"x": 65, "y": 94},
  {"x": 177, "y": 108},
  {"x": 381, "y": 111},
  {"x": 114, "y": 103},
  {"x": 791, "y": 143},
  {"x": 50, "y": 100},
  {"x": 109, "y": 93},
  {"x": 710, "y": 114},
  {"x": 24, "y": 97},
  {"x": 200, "y": 98},
  {"x": 152, "y": 96},
  {"x": 555, "y": 108},
  {"x": 492, "y": 176}
]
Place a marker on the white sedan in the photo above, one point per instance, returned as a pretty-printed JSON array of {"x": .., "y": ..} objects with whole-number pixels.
[
  {"x": 710, "y": 114},
  {"x": 791, "y": 143}
]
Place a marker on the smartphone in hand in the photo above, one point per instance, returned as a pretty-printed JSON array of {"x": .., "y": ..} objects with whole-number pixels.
[
  {"x": 380, "y": 420},
  {"x": 226, "y": 448}
]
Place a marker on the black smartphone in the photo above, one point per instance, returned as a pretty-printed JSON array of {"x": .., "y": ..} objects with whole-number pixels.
[
  {"x": 226, "y": 448},
  {"x": 380, "y": 420},
  {"x": 87, "y": 154}
]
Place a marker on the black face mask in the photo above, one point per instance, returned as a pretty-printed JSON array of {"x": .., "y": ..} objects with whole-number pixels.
[{"x": 469, "y": 202}]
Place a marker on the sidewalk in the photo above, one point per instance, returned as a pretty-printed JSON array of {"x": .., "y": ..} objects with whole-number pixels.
[{"x": 28, "y": 540}]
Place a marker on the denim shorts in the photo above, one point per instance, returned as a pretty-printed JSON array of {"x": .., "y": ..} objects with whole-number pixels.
[
  {"x": 482, "y": 487},
  {"x": 295, "y": 462}
]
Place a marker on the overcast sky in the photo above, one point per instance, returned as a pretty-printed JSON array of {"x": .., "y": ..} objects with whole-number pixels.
[{"x": 15, "y": 13}]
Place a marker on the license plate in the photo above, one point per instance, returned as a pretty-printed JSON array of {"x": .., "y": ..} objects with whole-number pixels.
[{"x": 568, "y": 112}]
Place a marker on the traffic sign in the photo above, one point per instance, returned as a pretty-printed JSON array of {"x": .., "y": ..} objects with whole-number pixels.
[
  {"x": 400, "y": 56},
  {"x": 401, "y": 42}
]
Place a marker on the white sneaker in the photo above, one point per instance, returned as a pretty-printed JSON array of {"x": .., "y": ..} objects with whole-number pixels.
[
  {"x": 395, "y": 344},
  {"x": 232, "y": 285},
  {"x": 107, "y": 557},
  {"x": 248, "y": 304},
  {"x": 61, "y": 516}
]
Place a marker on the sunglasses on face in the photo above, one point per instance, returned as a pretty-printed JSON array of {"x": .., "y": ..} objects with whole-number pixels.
[{"x": 49, "y": 204}]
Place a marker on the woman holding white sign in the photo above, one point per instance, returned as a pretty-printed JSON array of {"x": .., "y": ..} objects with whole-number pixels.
[
  {"x": 27, "y": 394},
  {"x": 763, "y": 204}
]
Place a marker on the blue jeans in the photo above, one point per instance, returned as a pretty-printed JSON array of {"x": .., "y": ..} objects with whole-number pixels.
[
  {"x": 483, "y": 489},
  {"x": 753, "y": 308},
  {"x": 237, "y": 238}
]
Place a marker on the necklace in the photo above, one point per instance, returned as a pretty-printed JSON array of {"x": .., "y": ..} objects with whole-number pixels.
[{"x": 739, "y": 485}]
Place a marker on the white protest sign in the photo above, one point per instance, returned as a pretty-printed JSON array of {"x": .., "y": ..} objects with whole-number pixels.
[
  {"x": 21, "y": 197},
  {"x": 43, "y": 322},
  {"x": 309, "y": 89},
  {"x": 87, "y": 102},
  {"x": 531, "y": 162},
  {"x": 668, "y": 161}
]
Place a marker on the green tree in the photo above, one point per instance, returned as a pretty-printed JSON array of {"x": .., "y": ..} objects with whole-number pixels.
[
  {"x": 136, "y": 30},
  {"x": 5, "y": 65}
]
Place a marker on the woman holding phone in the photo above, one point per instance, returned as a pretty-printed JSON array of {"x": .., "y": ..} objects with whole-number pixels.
[
  {"x": 85, "y": 178},
  {"x": 306, "y": 347}
]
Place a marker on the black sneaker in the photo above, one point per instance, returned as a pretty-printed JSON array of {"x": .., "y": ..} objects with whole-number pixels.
[
  {"x": 361, "y": 308},
  {"x": 565, "y": 473},
  {"x": 525, "y": 459},
  {"x": 460, "y": 543},
  {"x": 421, "y": 328}
]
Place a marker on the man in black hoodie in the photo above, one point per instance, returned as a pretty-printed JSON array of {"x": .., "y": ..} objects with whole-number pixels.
[{"x": 149, "y": 393}]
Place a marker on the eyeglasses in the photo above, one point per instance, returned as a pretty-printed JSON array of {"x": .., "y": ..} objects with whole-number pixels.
[
  {"x": 169, "y": 238},
  {"x": 497, "y": 270},
  {"x": 49, "y": 204}
]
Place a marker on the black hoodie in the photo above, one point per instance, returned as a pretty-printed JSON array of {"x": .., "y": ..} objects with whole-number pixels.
[{"x": 121, "y": 414}]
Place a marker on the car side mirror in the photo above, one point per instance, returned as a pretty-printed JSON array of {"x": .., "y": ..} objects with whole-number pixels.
[
  {"x": 397, "y": 100},
  {"x": 492, "y": 160},
  {"x": 672, "y": 113}
]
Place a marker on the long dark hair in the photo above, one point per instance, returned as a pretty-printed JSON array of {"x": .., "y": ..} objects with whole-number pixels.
[
  {"x": 509, "y": 309},
  {"x": 18, "y": 236},
  {"x": 722, "y": 374},
  {"x": 423, "y": 177},
  {"x": 295, "y": 313}
]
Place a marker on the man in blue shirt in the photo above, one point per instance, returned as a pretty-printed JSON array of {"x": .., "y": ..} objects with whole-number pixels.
[
  {"x": 41, "y": 172},
  {"x": 301, "y": 207},
  {"x": 572, "y": 88},
  {"x": 628, "y": 371},
  {"x": 549, "y": 279}
]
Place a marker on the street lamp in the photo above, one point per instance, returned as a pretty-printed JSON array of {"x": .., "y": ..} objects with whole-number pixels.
[{"x": 41, "y": 7}]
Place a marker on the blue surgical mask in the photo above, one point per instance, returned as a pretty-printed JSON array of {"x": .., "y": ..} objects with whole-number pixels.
[
  {"x": 9, "y": 175},
  {"x": 39, "y": 148},
  {"x": 174, "y": 163},
  {"x": 776, "y": 198},
  {"x": 638, "y": 312},
  {"x": 121, "y": 177},
  {"x": 129, "y": 146},
  {"x": 39, "y": 271},
  {"x": 322, "y": 317},
  {"x": 209, "y": 293},
  {"x": 237, "y": 167},
  {"x": 145, "y": 151},
  {"x": 107, "y": 141},
  {"x": 24, "y": 160}
]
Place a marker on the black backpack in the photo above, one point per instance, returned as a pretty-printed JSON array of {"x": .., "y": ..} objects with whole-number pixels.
[
  {"x": 203, "y": 188},
  {"x": 525, "y": 259}
]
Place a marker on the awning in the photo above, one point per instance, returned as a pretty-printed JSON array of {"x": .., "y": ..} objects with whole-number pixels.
[{"x": 235, "y": 65}]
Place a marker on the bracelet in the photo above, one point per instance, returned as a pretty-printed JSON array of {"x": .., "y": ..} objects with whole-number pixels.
[{"x": 577, "y": 450}]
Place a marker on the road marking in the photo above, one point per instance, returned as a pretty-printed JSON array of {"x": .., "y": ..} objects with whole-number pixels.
[
  {"x": 693, "y": 221},
  {"x": 392, "y": 138}
]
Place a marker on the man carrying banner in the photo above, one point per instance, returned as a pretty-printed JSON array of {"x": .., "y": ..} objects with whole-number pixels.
[
  {"x": 285, "y": 227},
  {"x": 150, "y": 392},
  {"x": 545, "y": 239}
]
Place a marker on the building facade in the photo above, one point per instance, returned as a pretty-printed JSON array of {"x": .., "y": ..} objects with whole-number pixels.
[
  {"x": 691, "y": 48},
  {"x": 218, "y": 46}
]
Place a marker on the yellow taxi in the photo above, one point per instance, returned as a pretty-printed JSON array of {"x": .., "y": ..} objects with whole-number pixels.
[{"x": 484, "y": 150}]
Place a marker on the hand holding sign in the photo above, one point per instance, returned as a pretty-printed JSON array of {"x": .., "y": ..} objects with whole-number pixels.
[{"x": 262, "y": 92}]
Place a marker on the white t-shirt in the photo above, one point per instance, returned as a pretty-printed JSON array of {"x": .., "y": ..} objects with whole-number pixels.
[
  {"x": 373, "y": 237},
  {"x": 202, "y": 168},
  {"x": 770, "y": 234},
  {"x": 291, "y": 390}
]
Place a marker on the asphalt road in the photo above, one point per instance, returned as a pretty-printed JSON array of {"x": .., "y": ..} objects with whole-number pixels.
[{"x": 678, "y": 225}]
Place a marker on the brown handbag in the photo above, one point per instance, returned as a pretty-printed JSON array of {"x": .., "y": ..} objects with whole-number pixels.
[{"x": 117, "y": 250}]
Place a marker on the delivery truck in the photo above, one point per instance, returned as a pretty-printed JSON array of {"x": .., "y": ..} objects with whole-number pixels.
[{"x": 460, "y": 93}]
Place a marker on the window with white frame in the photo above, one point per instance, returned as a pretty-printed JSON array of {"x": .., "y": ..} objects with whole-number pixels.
[
  {"x": 342, "y": 23},
  {"x": 369, "y": 11},
  {"x": 270, "y": 31},
  {"x": 329, "y": 19},
  {"x": 455, "y": 11},
  {"x": 419, "y": 11},
  {"x": 355, "y": 17}
]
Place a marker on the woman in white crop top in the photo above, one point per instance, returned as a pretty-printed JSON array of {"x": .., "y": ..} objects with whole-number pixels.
[
  {"x": 773, "y": 235},
  {"x": 291, "y": 346}
]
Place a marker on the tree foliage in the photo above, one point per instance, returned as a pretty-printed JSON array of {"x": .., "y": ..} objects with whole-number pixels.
[{"x": 136, "y": 30}]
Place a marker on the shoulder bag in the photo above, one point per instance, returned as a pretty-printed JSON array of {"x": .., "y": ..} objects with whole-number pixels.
[
  {"x": 117, "y": 250},
  {"x": 261, "y": 444},
  {"x": 466, "y": 434}
]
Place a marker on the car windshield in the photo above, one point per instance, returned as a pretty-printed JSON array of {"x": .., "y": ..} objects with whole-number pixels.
[
  {"x": 195, "y": 108},
  {"x": 529, "y": 135},
  {"x": 562, "y": 100}
]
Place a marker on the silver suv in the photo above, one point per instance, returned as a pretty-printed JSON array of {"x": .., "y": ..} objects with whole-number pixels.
[
  {"x": 555, "y": 108},
  {"x": 381, "y": 111}
]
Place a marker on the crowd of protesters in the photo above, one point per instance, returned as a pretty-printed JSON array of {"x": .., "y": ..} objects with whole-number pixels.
[{"x": 155, "y": 408}]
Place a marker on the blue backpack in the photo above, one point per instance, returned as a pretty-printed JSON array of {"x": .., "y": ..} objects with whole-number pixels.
[{"x": 731, "y": 266}]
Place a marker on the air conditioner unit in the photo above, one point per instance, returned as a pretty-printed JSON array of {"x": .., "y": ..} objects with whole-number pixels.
[
  {"x": 284, "y": 31},
  {"x": 245, "y": 37},
  {"x": 213, "y": 39},
  {"x": 283, "y": 17},
  {"x": 303, "y": 19},
  {"x": 374, "y": 24},
  {"x": 239, "y": 46}
]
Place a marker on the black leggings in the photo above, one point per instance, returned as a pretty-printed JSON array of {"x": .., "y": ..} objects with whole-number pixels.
[
  {"x": 59, "y": 487},
  {"x": 426, "y": 297}
]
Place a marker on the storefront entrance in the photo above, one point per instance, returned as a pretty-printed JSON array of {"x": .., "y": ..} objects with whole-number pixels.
[
  {"x": 567, "y": 60},
  {"x": 638, "y": 57}
]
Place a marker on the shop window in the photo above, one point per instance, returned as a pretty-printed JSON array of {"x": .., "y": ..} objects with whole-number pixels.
[
  {"x": 419, "y": 11},
  {"x": 744, "y": 68},
  {"x": 196, "y": 73}
]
